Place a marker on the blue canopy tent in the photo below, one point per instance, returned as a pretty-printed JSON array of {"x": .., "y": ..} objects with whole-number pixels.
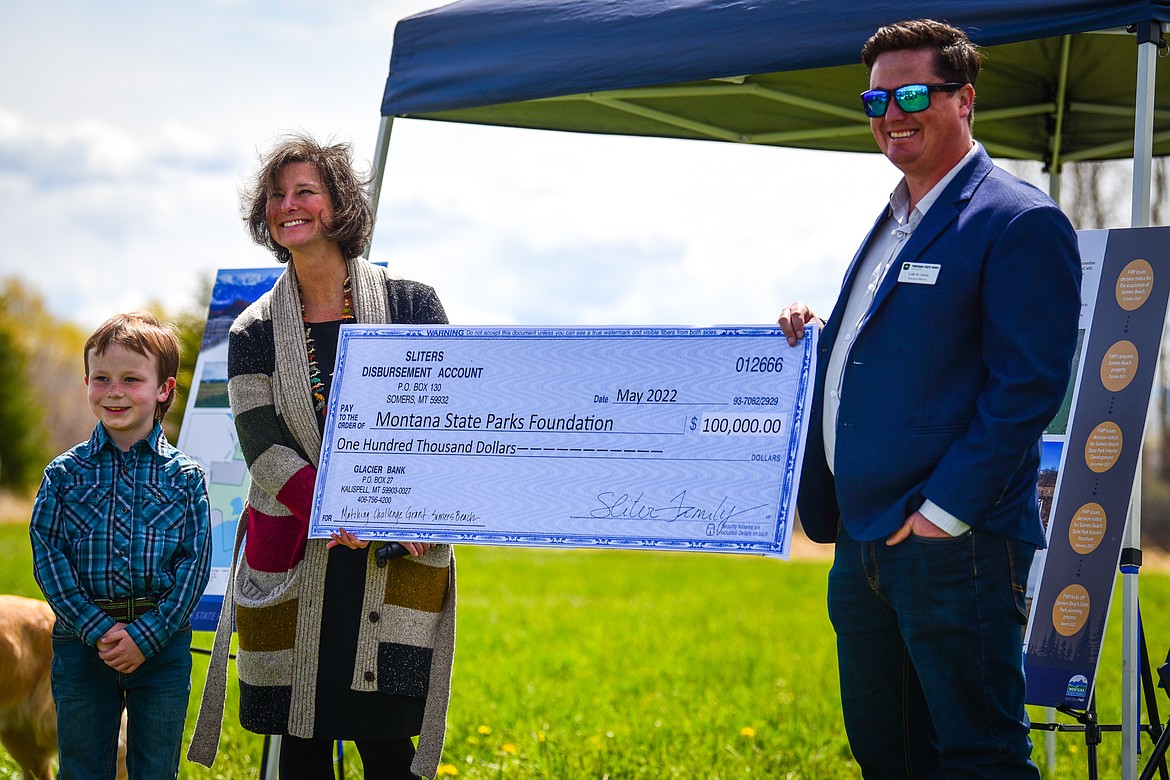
[
  {"x": 1064, "y": 80},
  {"x": 775, "y": 72}
]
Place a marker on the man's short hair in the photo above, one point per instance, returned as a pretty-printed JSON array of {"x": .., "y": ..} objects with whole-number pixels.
[
  {"x": 956, "y": 58},
  {"x": 140, "y": 332}
]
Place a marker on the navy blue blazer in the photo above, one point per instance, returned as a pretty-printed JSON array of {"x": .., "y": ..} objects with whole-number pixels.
[{"x": 949, "y": 385}]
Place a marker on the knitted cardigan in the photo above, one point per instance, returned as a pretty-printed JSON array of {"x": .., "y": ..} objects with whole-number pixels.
[{"x": 406, "y": 642}]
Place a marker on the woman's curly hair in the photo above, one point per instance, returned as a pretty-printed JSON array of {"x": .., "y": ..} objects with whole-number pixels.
[{"x": 353, "y": 217}]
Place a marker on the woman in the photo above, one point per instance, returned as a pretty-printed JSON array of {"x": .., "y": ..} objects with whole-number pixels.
[{"x": 331, "y": 645}]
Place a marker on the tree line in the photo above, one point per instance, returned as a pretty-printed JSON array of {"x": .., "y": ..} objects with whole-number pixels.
[{"x": 45, "y": 412}]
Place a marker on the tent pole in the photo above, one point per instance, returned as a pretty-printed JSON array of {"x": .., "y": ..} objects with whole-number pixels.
[
  {"x": 381, "y": 150},
  {"x": 1149, "y": 39},
  {"x": 1056, "y": 162}
]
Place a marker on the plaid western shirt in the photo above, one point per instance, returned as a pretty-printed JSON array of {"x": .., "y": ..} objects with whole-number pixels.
[{"x": 112, "y": 524}]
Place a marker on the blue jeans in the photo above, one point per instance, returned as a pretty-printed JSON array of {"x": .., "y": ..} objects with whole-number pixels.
[
  {"x": 930, "y": 651},
  {"x": 90, "y": 697}
]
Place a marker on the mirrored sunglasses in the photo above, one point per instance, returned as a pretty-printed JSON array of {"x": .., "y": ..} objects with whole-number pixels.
[{"x": 910, "y": 98}]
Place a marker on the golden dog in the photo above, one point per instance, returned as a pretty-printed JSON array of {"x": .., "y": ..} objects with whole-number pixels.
[{"x": 28, "y": 719}]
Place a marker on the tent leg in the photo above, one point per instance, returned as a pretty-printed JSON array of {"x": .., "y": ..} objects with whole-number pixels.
[
  {"x": 1149, "y": 42},
  {"x": 381, "y": 150},
  {"x": 1149, "y": 39},
  {"x": 270, "y": 761},
  {"x": 1131, "y": 709}
]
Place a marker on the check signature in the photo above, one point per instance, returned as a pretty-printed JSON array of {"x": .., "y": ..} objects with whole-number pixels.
[{"x": 612, "y": 504}]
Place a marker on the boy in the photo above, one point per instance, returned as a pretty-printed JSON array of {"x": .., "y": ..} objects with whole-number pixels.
[{"x": 121, "y": 548}]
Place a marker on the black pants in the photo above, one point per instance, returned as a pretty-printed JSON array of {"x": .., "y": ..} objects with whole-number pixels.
[{"x": 312, "y": 759}]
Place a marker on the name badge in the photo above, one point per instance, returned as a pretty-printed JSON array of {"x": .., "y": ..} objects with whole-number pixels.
[{"x": 919, "y": 273}]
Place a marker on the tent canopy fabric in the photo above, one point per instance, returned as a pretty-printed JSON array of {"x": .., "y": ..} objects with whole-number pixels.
[{"x": 776, "y": 72}]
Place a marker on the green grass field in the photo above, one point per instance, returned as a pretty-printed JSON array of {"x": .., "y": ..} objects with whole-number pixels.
[{"x": 584, "y": 664}]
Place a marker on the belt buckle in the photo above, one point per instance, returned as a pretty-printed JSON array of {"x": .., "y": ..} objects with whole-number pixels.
[{"x": 116, "y": 609}]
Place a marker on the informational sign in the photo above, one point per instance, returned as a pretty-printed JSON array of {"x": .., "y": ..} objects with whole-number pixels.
[
  {"x": 209, "y": 435},
  {"x": 1097, "y": 439},
  {"x": 646, "y": 438}
]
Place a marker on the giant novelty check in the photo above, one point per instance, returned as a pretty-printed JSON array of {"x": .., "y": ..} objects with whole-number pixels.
[{"x": 648, "y": 438}]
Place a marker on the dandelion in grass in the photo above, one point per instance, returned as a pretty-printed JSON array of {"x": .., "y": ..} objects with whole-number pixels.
[
  {"x": 540, "y": 736},
  {"x": 508, "y": 747},
  {"x": 747, "y": 731},
  {"x": 485, "y": 730},
  {"x": 446, "y": 770}
]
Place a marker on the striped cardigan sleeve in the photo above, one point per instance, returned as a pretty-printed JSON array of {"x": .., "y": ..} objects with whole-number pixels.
[{"x": 278, "y": 466}]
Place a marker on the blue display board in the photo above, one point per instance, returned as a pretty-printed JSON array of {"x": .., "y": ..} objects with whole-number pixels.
[
  {"x": 1124, "y": 294},
  {"x": 208, "y": 433}
]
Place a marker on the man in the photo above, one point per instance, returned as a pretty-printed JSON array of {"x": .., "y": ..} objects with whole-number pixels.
[{"x": 948, "y": 351}]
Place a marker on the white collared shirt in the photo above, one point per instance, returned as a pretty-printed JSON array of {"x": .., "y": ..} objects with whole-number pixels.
[{"x": 888, "y": 240}]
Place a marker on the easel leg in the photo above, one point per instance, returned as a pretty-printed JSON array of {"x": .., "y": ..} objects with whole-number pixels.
[
  {"x": 1160, "y": 733},
  {"x": 1092, "y": 729},
  {"x": 270, "y": 760}
]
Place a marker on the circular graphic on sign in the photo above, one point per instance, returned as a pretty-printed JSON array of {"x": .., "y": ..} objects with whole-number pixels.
[
  {"x": 1119, "y": 366},
  {"x": 1071, "y": 610},
  {"x": 1087, "y": 528},
  {"x": 1103, "y": 447},
  {"x": 1135, "y": 284}
]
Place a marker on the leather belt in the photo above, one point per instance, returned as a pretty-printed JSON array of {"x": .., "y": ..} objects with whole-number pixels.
[{"x": 125, "y": 610}]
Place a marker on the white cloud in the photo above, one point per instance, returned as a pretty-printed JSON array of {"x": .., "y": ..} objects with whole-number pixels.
[
  {"x": 93, "y": 150},
  {"x": 104, "y": 218},
  {"x": 686, "y": 232},
  {"x": 122, "y": 152}
]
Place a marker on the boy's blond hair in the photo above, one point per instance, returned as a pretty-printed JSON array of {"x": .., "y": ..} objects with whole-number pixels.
[{"x": 140, "y": 332}]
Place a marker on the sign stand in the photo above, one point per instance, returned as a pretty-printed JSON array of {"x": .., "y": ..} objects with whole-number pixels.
[
  {"x": 1087, "y": 723},
  {"x": 1091, "y": 515},
  {"x": 1158, "y": 756}
]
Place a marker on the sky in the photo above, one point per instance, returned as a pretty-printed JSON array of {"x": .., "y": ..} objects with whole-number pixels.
[{"x": 127, "y": 129}]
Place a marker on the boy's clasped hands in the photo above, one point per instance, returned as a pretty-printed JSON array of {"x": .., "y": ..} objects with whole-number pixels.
[{"x": 119, "y": 650}]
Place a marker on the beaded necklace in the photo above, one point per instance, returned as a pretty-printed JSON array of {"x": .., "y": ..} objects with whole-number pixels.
[{"x": 316, "y": 383}]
